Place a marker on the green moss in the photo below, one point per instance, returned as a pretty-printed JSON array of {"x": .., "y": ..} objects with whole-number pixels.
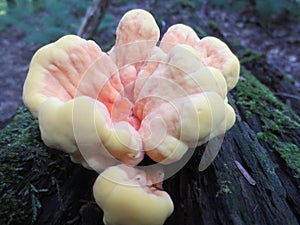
[
  {"x": 277, "y": 120},
  {"x": 25, "y": 163},
  {"x": 248, "y": 55},
  {"x": 187, "y": 3},
  {"x": 235, "y": 42},
  {"x": 200, "y": 32},
  {"x": 225, "y": 188},
  {"x": 213, "y": 25},
  {"x": 289, "y": 79}
]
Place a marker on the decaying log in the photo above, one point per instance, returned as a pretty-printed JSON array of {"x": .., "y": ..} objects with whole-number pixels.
[
  {"x": 222, "y": 195},
  {"x": 218, "y": 195}
]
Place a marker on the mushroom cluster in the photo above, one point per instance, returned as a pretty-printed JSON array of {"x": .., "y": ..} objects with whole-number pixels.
[{"x": 142, "y": 97}]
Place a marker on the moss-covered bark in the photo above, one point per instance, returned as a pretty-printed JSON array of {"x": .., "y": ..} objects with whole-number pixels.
[
  {"x": 278, "y": 125},
  {"x": 29, "y": 170},
  {"x": 265, "y": 141}
]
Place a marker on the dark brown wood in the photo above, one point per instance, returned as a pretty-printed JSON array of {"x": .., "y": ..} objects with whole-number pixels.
[
  {"x": 70, "y": 205},
  {"x": 222, "y": 195},
  {"x": 92, "y": 19}
]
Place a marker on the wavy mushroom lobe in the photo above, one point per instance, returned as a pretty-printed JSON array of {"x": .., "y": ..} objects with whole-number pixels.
[
  {"x": 56, "y": 70},
  {"x": 217, "y": 54},
  {"x": 127, "y": 198},
  {"x": 138, "y": 34}
]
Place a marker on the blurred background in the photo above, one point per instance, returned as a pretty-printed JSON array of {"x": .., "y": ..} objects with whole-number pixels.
[{"x": 265, "y": 28}]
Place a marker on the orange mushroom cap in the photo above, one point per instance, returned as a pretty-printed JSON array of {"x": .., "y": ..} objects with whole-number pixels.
[
  {"x": 138, "y": 98},
  {"x": 212, "y": 51}
]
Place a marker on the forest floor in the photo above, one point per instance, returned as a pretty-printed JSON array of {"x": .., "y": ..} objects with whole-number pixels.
[{"x": 279, "y": 41}]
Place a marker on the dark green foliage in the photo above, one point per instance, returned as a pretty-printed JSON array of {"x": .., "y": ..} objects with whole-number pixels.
[
  {"x": 192, "y": 4},
  {"x": 249, "y": 55},
  {"x": 108, "y": 26},
  {"x": 27, "y": 166},
  {"x": 44, "y": 21},
  {"x": 212, "y": 25},
  {"x": 268, "y": 10},
  {"x": 230, "y": 5}
]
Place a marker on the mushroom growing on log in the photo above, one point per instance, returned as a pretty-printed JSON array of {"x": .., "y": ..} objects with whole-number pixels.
[{"x": 137, "y": 99}]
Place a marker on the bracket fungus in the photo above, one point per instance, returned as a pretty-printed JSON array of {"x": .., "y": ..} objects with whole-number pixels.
[
  {"x": 130, "y": 196},
  {"x": 141, "y": 97}
]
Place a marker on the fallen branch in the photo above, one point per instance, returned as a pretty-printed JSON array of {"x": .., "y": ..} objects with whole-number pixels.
[{"x": 92, "y": 19}]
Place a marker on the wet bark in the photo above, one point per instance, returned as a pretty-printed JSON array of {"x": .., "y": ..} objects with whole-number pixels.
[
  {"x": 222, "y": 195},
  {"x": 74, "y": 203}
]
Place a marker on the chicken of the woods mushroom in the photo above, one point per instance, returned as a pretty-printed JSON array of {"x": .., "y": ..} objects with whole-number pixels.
[
  {"x": 139, "y": 98},
  {"x": 144, "y": 96}
]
